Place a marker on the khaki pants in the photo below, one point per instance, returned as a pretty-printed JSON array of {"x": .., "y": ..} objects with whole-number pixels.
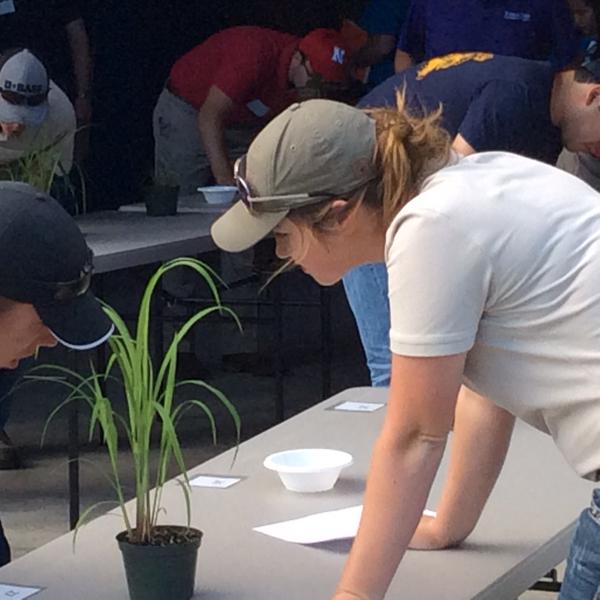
[
  {"x": 178, "y": 150},
  {"x": 582, "y": 165}
]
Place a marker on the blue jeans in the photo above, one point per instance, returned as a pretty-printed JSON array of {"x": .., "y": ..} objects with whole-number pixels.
[
  {"x": 367, "y": 292},
  {"x": 582, "y": 576},
  {"x": 4, "y": 548}
]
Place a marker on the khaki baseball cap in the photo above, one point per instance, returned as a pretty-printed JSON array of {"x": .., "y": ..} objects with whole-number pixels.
[{"x": 313, "y": 150}]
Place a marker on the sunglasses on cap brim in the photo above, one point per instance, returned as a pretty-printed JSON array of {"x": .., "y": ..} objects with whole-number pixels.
[
  {"x": 277, "y": 203},
  {"x": 21, "y": 100},
  {"x": 50, "y": 292}
]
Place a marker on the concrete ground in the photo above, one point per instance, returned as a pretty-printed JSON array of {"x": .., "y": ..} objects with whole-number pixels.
[{"x": 34, "y": 499}]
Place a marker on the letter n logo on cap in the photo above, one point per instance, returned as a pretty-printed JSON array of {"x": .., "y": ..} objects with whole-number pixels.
[{"x": 338, "y": 55}]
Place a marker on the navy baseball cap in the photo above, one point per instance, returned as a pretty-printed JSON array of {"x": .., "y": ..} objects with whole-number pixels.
[{"x": 47, "y": 263}]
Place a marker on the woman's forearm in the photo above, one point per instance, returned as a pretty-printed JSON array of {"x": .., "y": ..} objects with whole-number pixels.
[
  {"x": 480, "y": 441},
  {"x": 401, "y": 474}
]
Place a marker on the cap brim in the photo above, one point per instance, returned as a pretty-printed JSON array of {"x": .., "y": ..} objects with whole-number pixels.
[
  {"x": 27, "y": 115},
  {"x": 80, "y": 324},
  {"x": 239, "y": 229}
]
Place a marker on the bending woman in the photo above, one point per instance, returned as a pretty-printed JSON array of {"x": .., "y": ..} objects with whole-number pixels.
[{"x": 493, "y": 263}]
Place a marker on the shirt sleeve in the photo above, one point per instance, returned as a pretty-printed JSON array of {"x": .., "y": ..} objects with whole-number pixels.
[
  {"x": 60, "y": 132},
  {"x": 412, "y": 34},
  {"x": 384, "y": 17},
  {"x": 438, "y": 285},
  {"x": 565, "y": 41},
  {"x": 497, "y": 117},
  {"x": 240, "y": 75}
]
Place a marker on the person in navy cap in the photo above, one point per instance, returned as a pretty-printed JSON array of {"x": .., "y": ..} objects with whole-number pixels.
[{"x": 45, "y": 278}]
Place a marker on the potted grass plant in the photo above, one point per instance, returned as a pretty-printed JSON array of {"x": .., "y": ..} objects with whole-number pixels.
[
  {"x": 160, "y": 560},
  {"x": 161, "y": 193}
]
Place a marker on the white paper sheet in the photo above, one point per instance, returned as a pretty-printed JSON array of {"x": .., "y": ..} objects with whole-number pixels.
[
  {"x": 320, "y": 527},
  {"x": 214, "y": 481},
  {"x": 17, "y": 592},
  {"x": 358, "y": 406}
]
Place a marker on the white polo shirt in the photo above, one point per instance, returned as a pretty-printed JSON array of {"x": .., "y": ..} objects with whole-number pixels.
[
  {"x": 499, "y": 257},
  {"x": 57, "y": 130}
]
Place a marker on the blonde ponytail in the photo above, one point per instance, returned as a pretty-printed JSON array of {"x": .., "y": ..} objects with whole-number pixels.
[{"x": 409, "y": 148}]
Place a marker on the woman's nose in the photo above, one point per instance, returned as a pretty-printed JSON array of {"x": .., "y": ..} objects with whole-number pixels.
[{"x": 48, "y": 340}]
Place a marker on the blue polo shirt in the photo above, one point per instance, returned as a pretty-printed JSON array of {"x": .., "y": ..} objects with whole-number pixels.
[
  {"x": 383, "y": 17},
  {"x": 536, "y": 29},
  {"x": 494, "y": 102}
]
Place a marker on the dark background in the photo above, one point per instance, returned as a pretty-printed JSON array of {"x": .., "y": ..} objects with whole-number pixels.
[{"x": 134, "y": 45}]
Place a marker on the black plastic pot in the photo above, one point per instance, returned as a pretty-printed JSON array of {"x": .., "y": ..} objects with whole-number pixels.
[
  {"x": 161, "y": 200},
  {"x": 161, "y": 572}
]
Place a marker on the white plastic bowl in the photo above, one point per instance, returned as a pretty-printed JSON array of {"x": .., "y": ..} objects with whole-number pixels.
[
  {"x": 308, "y": 469},
  {"x": 218, "y": 194}
]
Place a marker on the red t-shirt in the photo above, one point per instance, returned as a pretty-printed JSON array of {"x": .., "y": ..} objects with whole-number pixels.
[{"x": 248, "y": 64}]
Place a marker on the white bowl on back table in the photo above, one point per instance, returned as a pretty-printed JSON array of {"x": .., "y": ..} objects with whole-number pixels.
[{"x": 218, "y": 194}]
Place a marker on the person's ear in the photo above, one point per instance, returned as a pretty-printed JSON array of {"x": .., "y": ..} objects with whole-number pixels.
[
  {"x": 296, "y": 60},
  {"x": 593, "y": 96},
  {"x": 308, "y": 66},
  {"x": 339, "y": 215}
]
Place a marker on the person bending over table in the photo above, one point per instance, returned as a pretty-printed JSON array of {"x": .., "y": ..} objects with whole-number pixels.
[
  {"x": 494, "y": 269},
  {"x": 220, "y": 92},
  {"x": 490, "y": 102},
  {"x": 35, "y": 114},
  {"x": 45, "y": 277}
]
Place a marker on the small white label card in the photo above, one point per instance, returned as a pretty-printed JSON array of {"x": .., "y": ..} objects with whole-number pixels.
[
  {"x": 17, "y": 592},
  {"x": 321, "y": 527},
  {"x": 213, "y": 481},
  {"x": 350, "y": 406},
  {"x": 6, "y": 8},
  {"x": 259, "y": 108}
]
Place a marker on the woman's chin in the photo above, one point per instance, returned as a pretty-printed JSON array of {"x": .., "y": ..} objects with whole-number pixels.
[{"x": 325, "y": 281}]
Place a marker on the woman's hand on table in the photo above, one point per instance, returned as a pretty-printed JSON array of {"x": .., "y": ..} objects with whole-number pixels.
[{"x": 427, "y": 535}]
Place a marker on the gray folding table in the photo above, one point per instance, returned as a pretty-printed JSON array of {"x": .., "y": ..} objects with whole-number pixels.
[
  {"x": 123, "y": 239},
  {"x": 524, "y": 531}
]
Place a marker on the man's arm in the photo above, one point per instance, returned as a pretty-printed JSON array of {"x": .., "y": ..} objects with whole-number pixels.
[
  {"x": 412, "y": 39},
  {"x": 82, "y": 69},
  {"x": 481, "y": 437},
  {"x": 495, "y": 120},
  {"x": 402, "y": 60},
  {"x": 461, "y": 146},
  {"x": 406, "y": 457},
  {"x": 211, "y": 124},
  {"x": 375, "y": 50}
]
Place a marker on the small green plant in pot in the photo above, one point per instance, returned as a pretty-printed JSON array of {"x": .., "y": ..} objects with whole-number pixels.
[{"x": 160, "y": 560}]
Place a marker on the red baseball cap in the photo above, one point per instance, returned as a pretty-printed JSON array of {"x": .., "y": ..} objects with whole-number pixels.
[{"x": 328, "y": 53}]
